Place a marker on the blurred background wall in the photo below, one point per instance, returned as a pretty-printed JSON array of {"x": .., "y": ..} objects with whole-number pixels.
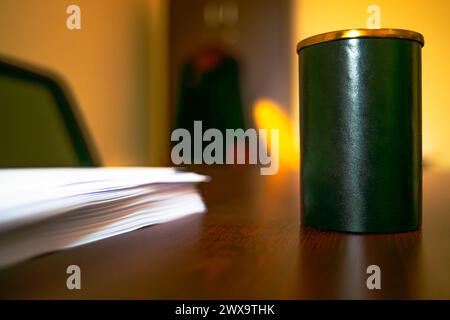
[
  {"x": 429, "y": 17},
  {"x": 106, "y": 64},
  {"x": 124, "y": 64}
]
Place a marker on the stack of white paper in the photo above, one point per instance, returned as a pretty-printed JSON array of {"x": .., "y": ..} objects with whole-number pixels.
[{"x": 43, "y": 210}]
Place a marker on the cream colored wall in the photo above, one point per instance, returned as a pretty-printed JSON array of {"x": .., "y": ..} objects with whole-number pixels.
[
  {"x": 158, "y": 86},
  {"x": 428, "y": 17},
  {"x": 103, "y": 63}
]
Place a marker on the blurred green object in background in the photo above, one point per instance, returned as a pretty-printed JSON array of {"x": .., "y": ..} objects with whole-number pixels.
[
  {"x": 210, "y": 92},
  {"x": 38, "y": 127}
]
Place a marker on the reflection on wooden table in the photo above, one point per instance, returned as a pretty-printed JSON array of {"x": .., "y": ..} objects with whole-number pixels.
[{"x": 249, "y": 245}]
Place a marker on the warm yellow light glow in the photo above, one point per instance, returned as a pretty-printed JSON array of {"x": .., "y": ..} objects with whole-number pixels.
[
  {"x": 353, "y": 33},
  {"x": 270, "y": 115}
]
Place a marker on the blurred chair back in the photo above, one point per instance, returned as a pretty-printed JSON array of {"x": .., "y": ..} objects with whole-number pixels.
[{"x": 38, "y": 124}]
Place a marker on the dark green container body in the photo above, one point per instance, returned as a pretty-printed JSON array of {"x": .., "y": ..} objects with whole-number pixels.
[{"x": 360, "y": 135}]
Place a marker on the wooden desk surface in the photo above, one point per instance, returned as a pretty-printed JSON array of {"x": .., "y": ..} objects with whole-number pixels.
[{"x": 250, "y": 246}]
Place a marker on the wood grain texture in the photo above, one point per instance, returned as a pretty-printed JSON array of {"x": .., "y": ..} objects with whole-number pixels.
[{"x": 249, "y": 245}]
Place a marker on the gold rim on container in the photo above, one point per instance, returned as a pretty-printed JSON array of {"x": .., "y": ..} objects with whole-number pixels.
[{"x": 361, "y": 33}]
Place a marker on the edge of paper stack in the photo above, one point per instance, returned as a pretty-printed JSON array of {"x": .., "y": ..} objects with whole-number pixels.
[{"x": 44, "y": 210}]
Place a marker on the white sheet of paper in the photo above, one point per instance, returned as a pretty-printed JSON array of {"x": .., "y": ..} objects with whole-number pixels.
[{"x": 43, "y": 210}]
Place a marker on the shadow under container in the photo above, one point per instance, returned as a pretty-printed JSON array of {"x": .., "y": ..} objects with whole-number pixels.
[{"x": 360, "y": 130}]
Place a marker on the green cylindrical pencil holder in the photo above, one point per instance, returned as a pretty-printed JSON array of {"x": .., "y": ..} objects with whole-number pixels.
[{"x": 360, "y": 130}]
